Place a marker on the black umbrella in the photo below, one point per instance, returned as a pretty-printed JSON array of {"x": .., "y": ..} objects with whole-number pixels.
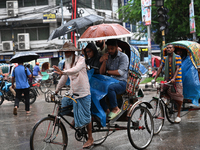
[
  {"x": 75, "y": 24},
  {"x": 24, "y": 57}
]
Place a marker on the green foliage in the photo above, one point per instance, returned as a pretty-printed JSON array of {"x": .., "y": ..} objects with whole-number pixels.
[
  {"x": 179, "y": 28},
  {"x": 146, "y": 80}
]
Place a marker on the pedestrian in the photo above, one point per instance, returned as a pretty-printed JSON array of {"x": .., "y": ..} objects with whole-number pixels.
[
  {"x": 22, "y": 86},
  {"x": 172, "y": 65},
  {"x": 75, "y": 69}
]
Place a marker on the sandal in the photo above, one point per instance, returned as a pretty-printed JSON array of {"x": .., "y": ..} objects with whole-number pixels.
[
  {"x": 15, "y": 111},
  {"x": 28, "y": 112},
  {"x": 112, "y": 115}
]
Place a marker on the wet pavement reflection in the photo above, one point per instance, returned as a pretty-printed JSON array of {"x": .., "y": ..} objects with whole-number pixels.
[{"x": 15, "y": 131}]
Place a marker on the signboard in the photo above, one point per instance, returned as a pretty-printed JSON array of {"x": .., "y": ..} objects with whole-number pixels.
[
  {"x": 146, "y": 12},
  {"x": 128, "y": 26},
  {"x": 5, "y": 57},
  {"x": 192, "y": 19},
  {"x": 49, "y": 17}
]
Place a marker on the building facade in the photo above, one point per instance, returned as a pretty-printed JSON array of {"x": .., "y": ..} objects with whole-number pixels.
[{"x": 23, "y": 26}]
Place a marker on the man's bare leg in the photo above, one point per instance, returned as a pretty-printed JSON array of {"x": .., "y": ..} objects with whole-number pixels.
[
  {"x": 179, "y": 107},
  {"x": 90, "y": 138}
]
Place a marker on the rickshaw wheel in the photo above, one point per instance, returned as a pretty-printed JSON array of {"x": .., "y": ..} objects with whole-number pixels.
[
  {"x": 99, "y": 133},
  {"x": 140, "y": 127},
  {"x": 171, "y": 111},
  {"x": 157, "y": 112}
]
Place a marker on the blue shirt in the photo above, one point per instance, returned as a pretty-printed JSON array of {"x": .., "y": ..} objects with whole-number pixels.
[
  {"x": 120, "y": 63},
  {"x": 21, "y": 77},
  {"x": 36, "y": 69}
]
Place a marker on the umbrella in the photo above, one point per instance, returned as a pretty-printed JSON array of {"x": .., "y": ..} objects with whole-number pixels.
[
  {"x": 104, "y": 31},
  {"x": 24, "y": 57},
  {"x": 75, "y": 24}
]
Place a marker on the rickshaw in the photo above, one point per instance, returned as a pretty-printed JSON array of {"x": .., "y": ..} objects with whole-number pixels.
[
  {"x": 164, "y": 105},
  {"x": 134, "y": 111},
  {"x": 190, "y": 55}
]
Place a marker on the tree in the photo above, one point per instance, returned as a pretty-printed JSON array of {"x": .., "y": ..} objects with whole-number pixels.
[{"x": 179, "y": 28}]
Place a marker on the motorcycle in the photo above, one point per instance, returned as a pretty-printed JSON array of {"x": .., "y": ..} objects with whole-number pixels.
[{"x": 6, "y": 94}]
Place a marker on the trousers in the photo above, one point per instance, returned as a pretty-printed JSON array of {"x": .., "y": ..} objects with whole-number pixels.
[{"x": 19, "y": 96}]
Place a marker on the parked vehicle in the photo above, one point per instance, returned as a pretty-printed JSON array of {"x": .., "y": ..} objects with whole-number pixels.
[{"x": 6, "y": 94}]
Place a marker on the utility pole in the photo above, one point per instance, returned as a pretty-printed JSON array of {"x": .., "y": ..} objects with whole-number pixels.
[
  {"x": 13, "y": 38},
  {"x": 74, "y": 8},
  {"x": 61, "y": 3}
]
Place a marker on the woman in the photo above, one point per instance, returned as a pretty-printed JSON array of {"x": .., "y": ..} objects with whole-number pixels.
[{"x": 92, "y": 57}]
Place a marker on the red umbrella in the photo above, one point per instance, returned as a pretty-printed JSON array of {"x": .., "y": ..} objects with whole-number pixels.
[{"x": 105, "y": 31}]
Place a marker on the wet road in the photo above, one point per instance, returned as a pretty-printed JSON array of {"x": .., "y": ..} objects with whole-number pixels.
[{"x": 15, "y": 130}]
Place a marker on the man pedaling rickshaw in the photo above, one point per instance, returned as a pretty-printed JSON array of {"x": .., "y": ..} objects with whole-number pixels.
[
  {"x": 172, "y": 64},
  {"x": 75, "y": 69}
]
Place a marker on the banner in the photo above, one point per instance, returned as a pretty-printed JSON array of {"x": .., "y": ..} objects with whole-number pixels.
[
  {"x": 191, "y": 16},
  {"x": 146, "y": 12}
]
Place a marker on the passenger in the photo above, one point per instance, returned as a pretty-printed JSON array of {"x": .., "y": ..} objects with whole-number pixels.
[
  {"x": 181, "y": 52},
  {"x": 115, "y": 64},
  {"x": 75, "y": 68},
  {"x": 37, "y": 72},
  {"x": 172, "y": 64},
  {"x": 92, "y": 57},
  {"x": 101, "y": 47}
]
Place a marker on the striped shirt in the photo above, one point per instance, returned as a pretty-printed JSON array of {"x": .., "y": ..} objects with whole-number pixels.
[{"x": 178, "y": 63}]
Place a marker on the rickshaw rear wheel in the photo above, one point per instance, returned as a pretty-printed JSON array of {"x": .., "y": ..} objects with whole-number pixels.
[
  {"x": 99, "y": 133},
  {"x": 140, "y": 127}
]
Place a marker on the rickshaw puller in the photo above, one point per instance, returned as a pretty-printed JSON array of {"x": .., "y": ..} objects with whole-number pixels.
[
  {"x": 75, "y": 69},
  {"x": 172, "y": 64}
]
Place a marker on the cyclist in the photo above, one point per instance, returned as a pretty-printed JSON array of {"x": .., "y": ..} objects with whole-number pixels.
[
  {"x": 37, "y": 72},
  {"x": 172, "y": 64},
  {"x": 75, "y": 69}
]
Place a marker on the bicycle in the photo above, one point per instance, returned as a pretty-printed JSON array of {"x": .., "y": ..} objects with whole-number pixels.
[
  {"x": 51, "y": 133},
  {"x": 161, "y": 103},
  {"x": 44, "y": 85}
]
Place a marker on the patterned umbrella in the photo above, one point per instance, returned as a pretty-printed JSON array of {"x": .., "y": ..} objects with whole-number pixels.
[
  {"x": 24, "y": 57},
  {"x": 105, "y": 31}
]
